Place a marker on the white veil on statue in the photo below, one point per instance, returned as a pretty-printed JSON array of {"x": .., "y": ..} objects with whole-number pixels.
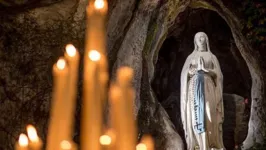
[{"x": 185, "y": 109}]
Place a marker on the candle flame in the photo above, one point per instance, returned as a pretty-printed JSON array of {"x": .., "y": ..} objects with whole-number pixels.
[
  {"x": 32, "y": 133},
  {"x": 71, "y": 50},
  {"x": 65, "y": 145},
  {"x": 61, "y": 64},
  {"x": 105, "y": 140},
  {"x": 141, "y": 146},
  {"x": 23, "y": 140},
  {"x": 94, "y": 55},
  {"x": 99, "y": 4}
]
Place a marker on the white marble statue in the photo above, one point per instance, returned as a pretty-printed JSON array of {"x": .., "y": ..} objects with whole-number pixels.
[{"x": 202, "y": 110}]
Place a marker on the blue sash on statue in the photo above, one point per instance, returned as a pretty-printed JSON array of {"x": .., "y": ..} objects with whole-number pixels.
[{"x": 199, "y": 103}]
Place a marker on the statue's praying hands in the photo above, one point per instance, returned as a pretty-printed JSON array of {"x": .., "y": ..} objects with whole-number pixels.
[{"x": 201, "y": 65}]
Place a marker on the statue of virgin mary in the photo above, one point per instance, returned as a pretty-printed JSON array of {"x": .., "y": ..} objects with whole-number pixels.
[{"x": 201, "y": 99}]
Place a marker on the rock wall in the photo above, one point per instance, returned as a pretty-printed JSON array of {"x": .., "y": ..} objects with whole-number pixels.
[{"x": 235, "y": 127}]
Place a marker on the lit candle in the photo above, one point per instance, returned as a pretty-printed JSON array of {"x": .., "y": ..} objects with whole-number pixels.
[
  {"x": 117, "y": 122},
  {"x": 122, "y": 119},
  {"x": 96, "y": 31},
  {"x": 72, "y": 57},
  {"x": 55, "y": 132},
  {"x": 35, "y": 142},
  {"x": 95, "y": 75},
  {"x": 96, "y": 35},
  {"x": 22, "y": 142},
  {"x": 91, "y": 123},
  {"x": 141, "y": 146},
  {"x": 148, "y": 141},
  {"x": 124, "y": 79},
  {"x": 68, "y": 145}
]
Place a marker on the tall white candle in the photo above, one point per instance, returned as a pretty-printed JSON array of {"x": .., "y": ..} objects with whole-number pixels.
[
  {"x": 55, "y": 133},
  {"x": 96, "y": 33},
  {"x": 122, "y": 117},
  {"x": 72, "y": 57},
  {"x": 91, "y": 123},
  {"x": 117, "y": 117},
  {"x": 96, "y": 30},
  {"x": 95, "y": 42},
  {"x": 124, "y": 81}
]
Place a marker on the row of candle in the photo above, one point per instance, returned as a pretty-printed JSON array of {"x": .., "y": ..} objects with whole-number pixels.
[
  {"x": 32, "y": 142},
  {"x": 121, "y": 98},
  {"x": 35, "y": 143},
  {"x": 122, "y": 134}
]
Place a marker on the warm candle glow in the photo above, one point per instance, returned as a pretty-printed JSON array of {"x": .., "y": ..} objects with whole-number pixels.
[
  {"x": 99, "y": 4},
  {"x": 125, "y": 74},
  {"x": 61, "y": 64},
  {"x": 65, "y": 145},
  {"x": 148, "y": 141},
  {"x": 141, "y": 146},
  {"x": 71, "y": 50},
  {"x": 105, "y": 140},
  {"x": 32, "y": 133},
  {"x": 94, "y": 55},
  {"x": 23, "y": 140}
]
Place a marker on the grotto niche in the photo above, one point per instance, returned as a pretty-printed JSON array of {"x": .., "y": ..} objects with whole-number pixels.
[{"x": 236, "y": 77}]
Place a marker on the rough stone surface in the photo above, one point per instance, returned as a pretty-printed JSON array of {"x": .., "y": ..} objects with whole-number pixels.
[
  {"x": 121, "y": 13},
  {"x": 130, "y": 52},
  {"x": 17, "y": 6},
  {"x": 151, "y": 115},
  {"x": 235, "y": 127}
]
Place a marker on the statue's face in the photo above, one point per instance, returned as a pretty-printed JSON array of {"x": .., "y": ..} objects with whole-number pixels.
[{"x": 201, "y": 42}]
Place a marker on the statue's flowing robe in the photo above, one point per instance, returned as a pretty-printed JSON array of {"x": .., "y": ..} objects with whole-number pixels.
[
  {"x": 213, "y": 102},
  {"x": 198, "y": 101}
]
